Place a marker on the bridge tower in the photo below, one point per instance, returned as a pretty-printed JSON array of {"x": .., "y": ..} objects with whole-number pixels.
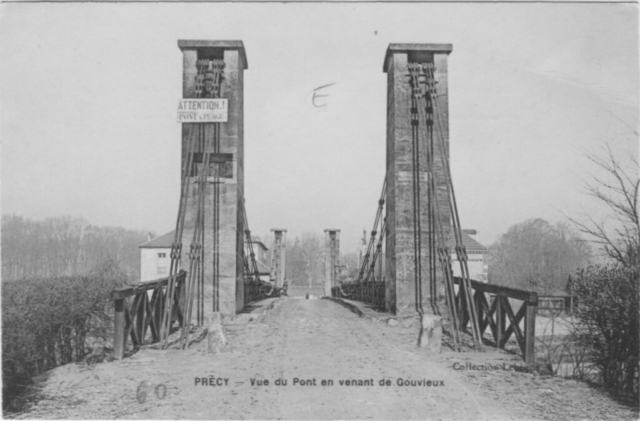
[
  {"x": 401, "y": 216},
  {"x": 279, "y": 255},
  {"x": 224, "y": 143},
  {"x": 331, "y": 259}
]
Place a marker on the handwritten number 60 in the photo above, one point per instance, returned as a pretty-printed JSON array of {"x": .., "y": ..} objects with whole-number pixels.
[
  {"x": 141, "y": 394},
  {"x": 160, "y": 391},
  {"x": 157, "y": 391}
]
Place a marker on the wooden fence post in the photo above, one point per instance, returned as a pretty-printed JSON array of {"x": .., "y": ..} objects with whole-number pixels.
[
  {"x": 530, "y": 328},
  {"x": 500, "y": 319},
  {"x": 118, "y": 340},
  {"x": 464, "y": 307},
  {"x": 479, "y": 311}
]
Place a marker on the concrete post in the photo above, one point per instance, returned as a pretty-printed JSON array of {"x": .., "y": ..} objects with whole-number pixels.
[
  {"x": 331, "y": 258},
  {"x": 229, "y": 238},
  {"x": 279, "y": 255},
  {"x": 400, "y": 294}
]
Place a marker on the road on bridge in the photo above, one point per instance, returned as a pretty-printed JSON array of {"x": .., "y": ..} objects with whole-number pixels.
[{"x": 309, "y": 340}]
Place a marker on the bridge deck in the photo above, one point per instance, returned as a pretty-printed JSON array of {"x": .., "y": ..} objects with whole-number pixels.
[{"x": 311, "y": 339}]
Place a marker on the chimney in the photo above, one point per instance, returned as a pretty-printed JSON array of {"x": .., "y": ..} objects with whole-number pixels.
[{"x": 149, "y": 236}]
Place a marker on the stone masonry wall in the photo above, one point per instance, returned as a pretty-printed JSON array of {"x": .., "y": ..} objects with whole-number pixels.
[
  {"x": 400, "y": 269},
  {"x": 231, "y": 232}
]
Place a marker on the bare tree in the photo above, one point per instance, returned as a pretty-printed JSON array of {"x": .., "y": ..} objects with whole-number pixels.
[
  {"x": 616, "y": 187},
  {"x": 304, "y": 259},
  {"x": 607, "y": 316},
  {"x": 351, "y": 264},
  {"x": 295, "y": 262},
  {"x": 312, "y": 252}
]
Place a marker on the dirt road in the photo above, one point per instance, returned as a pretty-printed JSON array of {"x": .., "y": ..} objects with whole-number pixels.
[{"x": 302, "y": 342}]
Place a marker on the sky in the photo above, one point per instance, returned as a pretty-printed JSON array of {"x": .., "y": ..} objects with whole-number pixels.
[{"x": 88, "y": 97}]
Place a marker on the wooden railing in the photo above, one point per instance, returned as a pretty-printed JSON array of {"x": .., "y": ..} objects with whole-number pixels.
[
  {"x": 136, "y": 314},
  {"x": 259, "y": 290},
  {"x": 367, "y": 292},
  {"x": 495, "y": 315}
]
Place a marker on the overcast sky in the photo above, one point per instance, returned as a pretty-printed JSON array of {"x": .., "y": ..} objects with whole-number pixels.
[{"x": 89, "y": 95}]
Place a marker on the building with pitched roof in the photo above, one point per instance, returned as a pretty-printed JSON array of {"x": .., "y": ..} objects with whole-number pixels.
[
  {"x": 476, "y": 254},
  {"x": 155, "y": 257}
]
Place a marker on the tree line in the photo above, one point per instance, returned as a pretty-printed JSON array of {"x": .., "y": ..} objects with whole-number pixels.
[
  {"x": 537, "y": 256},
  {"x": 65, "y": 246}
]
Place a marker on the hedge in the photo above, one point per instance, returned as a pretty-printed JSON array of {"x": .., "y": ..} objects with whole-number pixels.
[{"x": 51, "y": 322}]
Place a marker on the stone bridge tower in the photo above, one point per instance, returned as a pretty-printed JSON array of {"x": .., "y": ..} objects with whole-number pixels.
[
  {"x": 331, "y": 259},
  {"x": 223, "y": 218},
  {"x": 400, "y": 272},
  {"x": 279, "y": 256}
]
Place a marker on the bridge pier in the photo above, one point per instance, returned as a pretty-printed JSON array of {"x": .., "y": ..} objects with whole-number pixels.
[
  {"x": 400, "y": 288},
  {"x": 223, "y": 220},
  {"x": 331, "y": 259}
]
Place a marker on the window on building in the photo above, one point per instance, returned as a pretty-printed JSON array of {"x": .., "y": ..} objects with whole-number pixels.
[{"x": 163, "y": 264}]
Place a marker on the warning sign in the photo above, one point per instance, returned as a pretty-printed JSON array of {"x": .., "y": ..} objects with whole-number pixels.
[{"x": 213, "y": 110}]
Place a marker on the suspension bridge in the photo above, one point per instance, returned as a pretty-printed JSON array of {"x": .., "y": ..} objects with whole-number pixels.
[{"x": 407, "y": 267}]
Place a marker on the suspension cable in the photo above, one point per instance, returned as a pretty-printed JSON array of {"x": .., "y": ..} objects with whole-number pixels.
[
  {"x": 214, "y": 70},
  {"x": 378, "y": 250},
  {"x": 216, "y": 224},
  {"x": 176, "y": 246},
  {"x": 198, "y": 139},
  {"x": 376, "y": 222},
  {"x": 460, "y": 248},
  {"x": 415, "y": 157},
  {"x": 437, "y": 227}
]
